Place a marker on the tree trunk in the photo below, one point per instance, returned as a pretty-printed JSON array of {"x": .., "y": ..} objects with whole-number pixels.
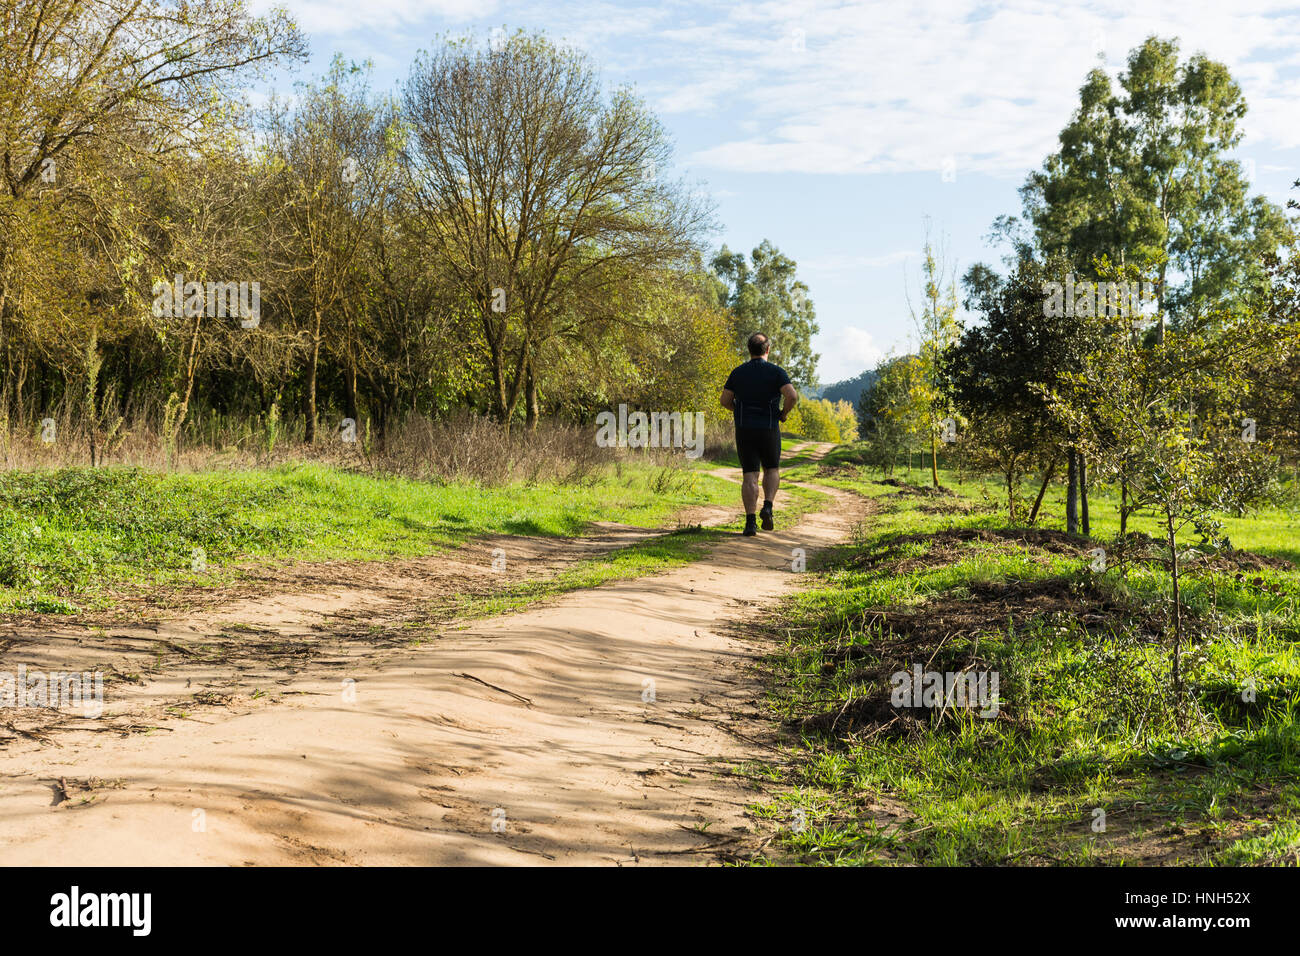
[
  {"x": 532, "y": 410},
  {"x": 309, "y": 433},
  {"x": 6, "y": 391},
  {"x": 191, "y": 371},
  {"x": 1123, "y": 506},
  {"x": 1172, "y": 544},
  {"x": 1072, "y": 492},
  {"x": 128, "y": 385},
  {"x": 1160, "y": 299},
  {"x": 8, "y": 371},
  {"x": 1123, "y": 524},
  {"x": 934, "y": 459},
  {"x": 385, "y": 411},
  {"x": 22, "y": 380},
  {"x": 1083, "y": 494},
  {"x": 1042, "y": 490},
  {"x": 350, "y": 373},
  {"x": 350, "y": 399}
]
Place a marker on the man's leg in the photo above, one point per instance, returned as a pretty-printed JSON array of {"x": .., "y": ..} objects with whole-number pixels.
[
  {"x": 771, "y": 454},
  {"x": 749, "y": 495},
  {"x": 771, "y": 482},
  {"x": 751, "y": 460}
]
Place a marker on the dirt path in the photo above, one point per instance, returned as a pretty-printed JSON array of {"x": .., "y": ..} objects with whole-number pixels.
[{"x": 587, "y": 730}]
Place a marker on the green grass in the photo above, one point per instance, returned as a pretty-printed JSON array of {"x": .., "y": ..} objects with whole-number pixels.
[
  {"x": 67, "y": 536},
  {"x": 1087, "y": 722},
  {"x": 1272, "y": 531}
]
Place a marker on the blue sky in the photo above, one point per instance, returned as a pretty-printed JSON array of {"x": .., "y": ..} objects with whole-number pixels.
[{"x": 837, "y": 130}]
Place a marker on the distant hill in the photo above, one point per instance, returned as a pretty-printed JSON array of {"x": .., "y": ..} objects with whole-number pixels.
[{"x": 850, "y": 389}]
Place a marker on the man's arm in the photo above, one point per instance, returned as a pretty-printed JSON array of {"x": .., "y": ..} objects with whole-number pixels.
[
  {"x": 728, "y": 399},
  {"x": 791, "y": 399}
]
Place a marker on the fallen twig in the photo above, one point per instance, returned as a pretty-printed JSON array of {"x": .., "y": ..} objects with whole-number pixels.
[{"x": 495, "y": 687}]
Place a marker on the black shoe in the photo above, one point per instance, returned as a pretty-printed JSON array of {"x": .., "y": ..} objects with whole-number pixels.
[
  {"x": 751, "y": 526},
  {"x": 766, "y": 515}
]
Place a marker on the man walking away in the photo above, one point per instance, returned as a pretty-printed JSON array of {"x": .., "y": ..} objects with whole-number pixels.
[{"x": 753, "y": 393}]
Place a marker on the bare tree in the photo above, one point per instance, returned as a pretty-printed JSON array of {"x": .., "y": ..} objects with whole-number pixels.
[{"x": 538, "y": 194}]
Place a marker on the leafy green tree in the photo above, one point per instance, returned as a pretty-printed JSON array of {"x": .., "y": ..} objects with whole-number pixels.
[
  {"x": 1142, "y": 180},
  {"x": 1142, "y": 177},
  {"x": 936, "y": 326},
  {"x": 331, "y": 157},
  {"x": 1274, "y": 402},
  {"x": 846, "y": 419},
  {"x": 816, "y": 421},
  {"x": 765, "y": 295},
  {"x": 103, "y": 106},
  {"x": 890, "y": 417},
  {"x": 996, "y": 375}
]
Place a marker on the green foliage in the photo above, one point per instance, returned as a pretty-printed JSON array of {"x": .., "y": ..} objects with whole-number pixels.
[
  {"x": 846, "y": 420},
  {"x": 892, "y": 415},
  {"x": 1164, "y": 419},
  {"x": 817, "y": 420},
  {"x": 936, "y": 326},
  {"x": 997, "y": 373},
  {"x": 765, "y": 295},
  {"x": 1143, "y": 177},
  {"x": 361, "y": 227}
]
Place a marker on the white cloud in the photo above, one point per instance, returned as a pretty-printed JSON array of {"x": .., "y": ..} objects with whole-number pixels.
[
  {"x": 897, "y": 88},
  {"x": 845, "y": 353},
  {"x": 827, "y": 86}
]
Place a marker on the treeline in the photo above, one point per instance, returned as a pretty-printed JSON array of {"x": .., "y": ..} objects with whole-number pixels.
[{"x": 498, "y": 237}]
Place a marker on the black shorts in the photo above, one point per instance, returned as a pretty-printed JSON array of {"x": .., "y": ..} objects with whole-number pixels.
[{"x": 758, "y": 446}]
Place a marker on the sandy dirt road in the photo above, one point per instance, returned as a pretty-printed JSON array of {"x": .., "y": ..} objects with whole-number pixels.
[{"x": 592, "y": 729}]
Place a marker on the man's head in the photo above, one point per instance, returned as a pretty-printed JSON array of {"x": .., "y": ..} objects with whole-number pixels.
[{"x": 758, "y": 345}]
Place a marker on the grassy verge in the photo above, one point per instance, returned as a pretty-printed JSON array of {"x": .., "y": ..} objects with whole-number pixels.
[
  {"x": 1091, "y": 758},
  {"x": 68, "y": 536}
]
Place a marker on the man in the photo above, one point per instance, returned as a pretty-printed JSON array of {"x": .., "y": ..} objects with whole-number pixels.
[{"x": 754, "y": 393}]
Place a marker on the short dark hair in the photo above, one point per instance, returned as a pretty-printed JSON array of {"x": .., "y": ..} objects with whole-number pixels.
[{"x": 758, "y": 344}]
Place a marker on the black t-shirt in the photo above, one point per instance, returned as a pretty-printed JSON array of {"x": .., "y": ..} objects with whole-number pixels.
[{"x": 757, "y": 387}]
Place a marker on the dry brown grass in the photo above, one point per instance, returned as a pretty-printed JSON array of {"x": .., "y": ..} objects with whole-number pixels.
[{"x": 463, "y": 448}]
